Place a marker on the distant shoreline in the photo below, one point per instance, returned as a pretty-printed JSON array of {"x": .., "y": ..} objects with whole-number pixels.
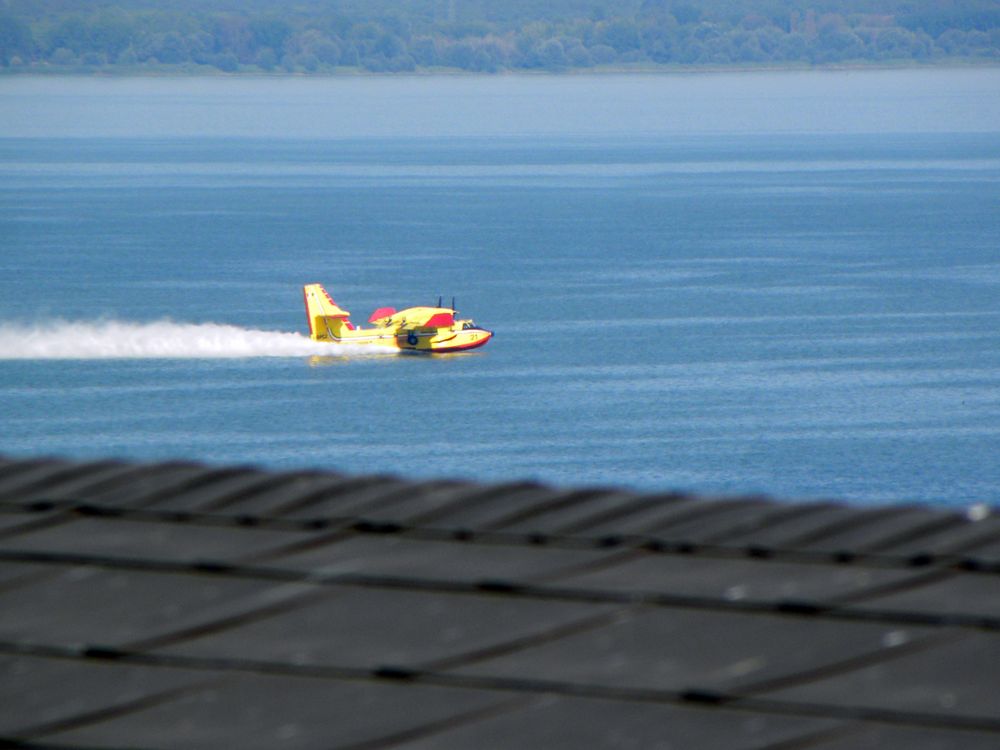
[
  {"x": 387, "y": 37},
  {"x": 189, "y": 71}
]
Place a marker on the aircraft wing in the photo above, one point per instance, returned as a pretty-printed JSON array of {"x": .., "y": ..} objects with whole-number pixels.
[
  {"x": 383, "y": 313},
  {"x": 425, "y": 317}
]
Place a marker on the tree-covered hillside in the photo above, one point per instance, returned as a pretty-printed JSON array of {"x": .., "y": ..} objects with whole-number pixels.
[{"x": 322, "y": 36}]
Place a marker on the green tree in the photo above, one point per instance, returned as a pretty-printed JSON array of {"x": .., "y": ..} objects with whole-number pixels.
[
  {"x": 69, "y": 33},
  {"x": 111, "y": 32},
  {"x": 15, "y": 39},
  {"x": 490, "y": 35},
  {"x": 793, "y": 47},
  {"x": 390, "y": 46},
  {"x": 199, "y": 46},
  {"x": 552, "y": 55},
  {"x": 577, "y": 56},
  {"x": 621, "y": 34},
  {"x": 657, "y": 35},
  {"x": 169, "y": 48},
  {"x": 64, "y": 56},
  {"x": 349, "y": 56},
  {"x": 231, "y": 34},
  {"x": 128, "y": 57},
  {"x": 602, "y": 54},
  {"x": 460, "y": 55},
  {"x": 269, "y": 31},
  {"x": 327, "y": 51},
  {"x": 424, "y": 51},
  {"x": 266, "y": 59},
  {"x": 894, "y": 44},
  {"x": 226, "y": 61},
  {"x": 838, "y": 44},
  {"x": 686, "y": 13}
]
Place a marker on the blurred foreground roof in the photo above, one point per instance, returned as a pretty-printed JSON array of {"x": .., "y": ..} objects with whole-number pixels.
[{"x": 177, "y": 605}]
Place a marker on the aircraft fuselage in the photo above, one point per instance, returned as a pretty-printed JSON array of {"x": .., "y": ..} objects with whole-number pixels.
[{"x": 420, "y": 329}]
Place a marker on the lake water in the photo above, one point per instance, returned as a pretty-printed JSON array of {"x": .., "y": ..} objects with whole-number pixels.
[{"x": 785, "y": 283}]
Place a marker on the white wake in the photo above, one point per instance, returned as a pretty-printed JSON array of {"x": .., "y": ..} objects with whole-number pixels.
[{"x": 163, "y": 339}]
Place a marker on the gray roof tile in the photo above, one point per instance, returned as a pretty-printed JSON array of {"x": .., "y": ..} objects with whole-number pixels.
[
  {"x": 378, "y": 628},
  {"x": 946, "y": 681},
  {"x": 300, "y": 713},
  {"x": 888, "y": 737},
  {"x": 969, "y": 595},
  {"x": 682, "y": 650},
  {"x": 567, "y": 723},
  {"x": 177, "y": 605},
  {"x": 736, "y": 579},
  {"x": 128, "y": 538},
  {"x": 89, "y": 606},
  {"x": 377, "y": 555},
  {"x": 38, "y": 693}
]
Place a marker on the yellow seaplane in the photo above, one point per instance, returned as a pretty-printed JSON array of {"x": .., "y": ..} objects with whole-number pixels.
[{"x": 420, "y": 329}]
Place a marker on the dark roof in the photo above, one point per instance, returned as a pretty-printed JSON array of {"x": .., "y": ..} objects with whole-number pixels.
[{"x": 178, "y": 605}]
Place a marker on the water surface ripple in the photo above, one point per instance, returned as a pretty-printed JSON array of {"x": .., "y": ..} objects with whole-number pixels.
[{"x": 805, "y": 315}]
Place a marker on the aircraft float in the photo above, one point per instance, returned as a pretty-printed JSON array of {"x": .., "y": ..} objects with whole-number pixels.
[{"x": 420, "y": 329}]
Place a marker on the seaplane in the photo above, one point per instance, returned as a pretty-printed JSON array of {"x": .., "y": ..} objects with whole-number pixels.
[{"x": 419, "y": 329}]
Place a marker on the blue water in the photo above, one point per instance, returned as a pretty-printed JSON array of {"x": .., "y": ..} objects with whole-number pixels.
[{"x": 807, "y": 314}]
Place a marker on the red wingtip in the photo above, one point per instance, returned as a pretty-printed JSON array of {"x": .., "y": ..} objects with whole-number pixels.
[
  {"x": 382, "y": 312},
  {"x": 440, "y": 320}
]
